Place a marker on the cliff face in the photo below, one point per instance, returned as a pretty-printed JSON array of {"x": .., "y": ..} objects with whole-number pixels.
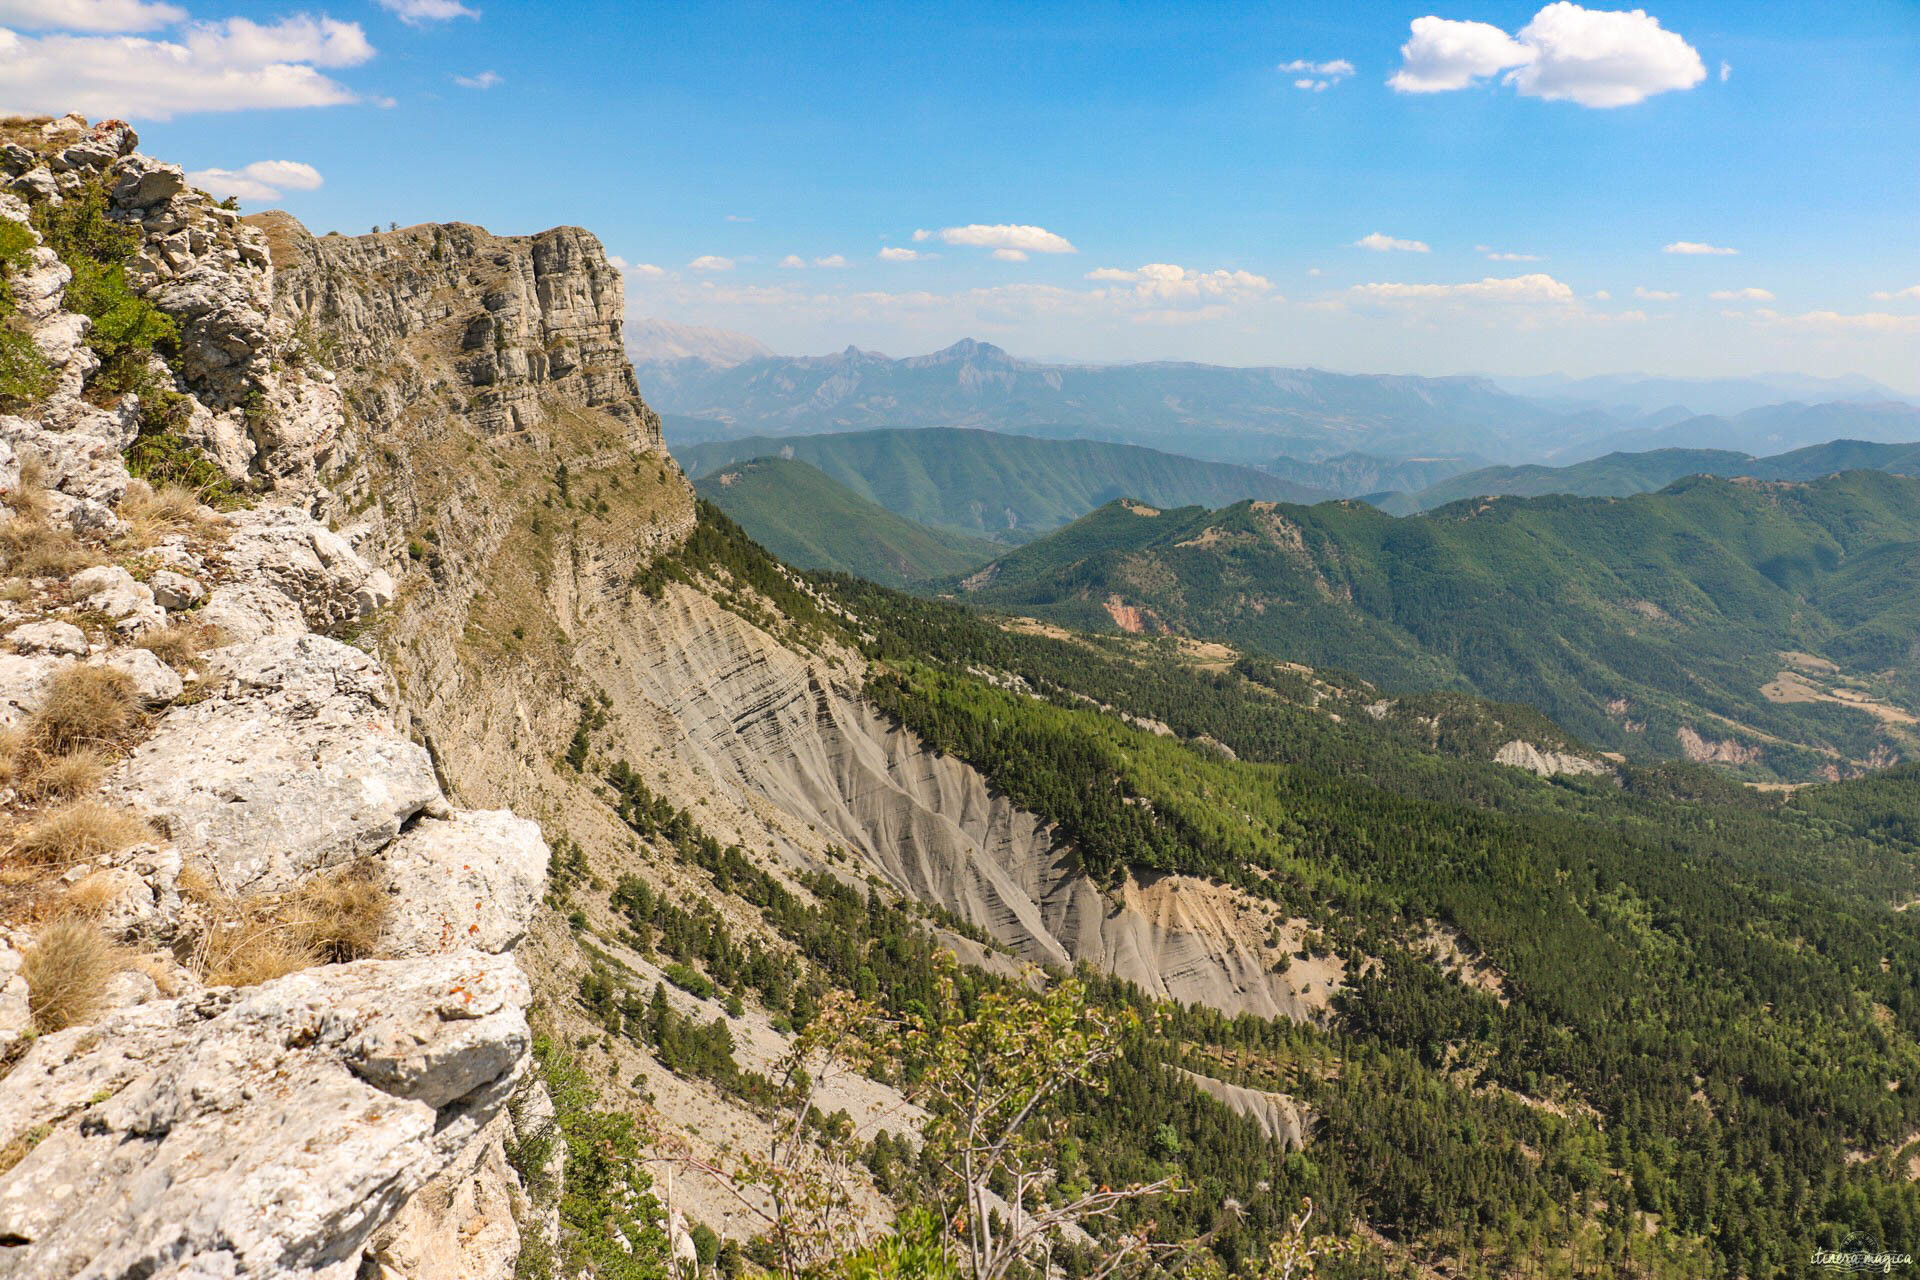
[
  {"x": 257, "y": 990},
  {"x": 449, "y": 462}
]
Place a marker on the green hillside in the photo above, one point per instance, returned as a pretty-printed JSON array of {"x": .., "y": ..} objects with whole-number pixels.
[
  {"x": 1006, "y": 487},
  {"x": 809, "y": 521},
  {"x": 1620, "y": 474},
  {"x": 1770, "y": 627}
]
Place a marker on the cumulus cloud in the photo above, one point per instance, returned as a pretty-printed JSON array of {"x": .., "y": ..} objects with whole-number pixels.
[
  {"x": 1726, "y": 72},
  {"x": 1695, "y": 248},
  {"x": 793, "y": 262},
  {"x": 1010, "y": 255},
  {"x": 261, "y": 180},
  {"x": 643, "y": 270},
  {"x": 1387, "y": 244},
  {"x": 896, "y": 253},
  {"x": 233, "y": 65},
  {"x": 1653, "y": 295},
  {"x": 418, "y": 13},
  {"x": 485, "y": 80},
  {"x": 89, "y": 15},
  {"x": 1535, "y": 287},
  {"x": 1910, "y": 293},
  {"x": 1495, "y": 255},
  {"x": 1596, "y": 58},
  {"x": 1316, "y": 77},
  {"x": 1000, "y": 236},
  {"x": 831, "y": 260},
  {"x": 710, "y": 262},
  {"x": 1444, "y": 54},
  {"x": 1741, "y": 295}
]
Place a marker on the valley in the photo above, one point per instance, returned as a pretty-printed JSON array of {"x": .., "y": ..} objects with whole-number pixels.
[{"x": 635, "y": 878}]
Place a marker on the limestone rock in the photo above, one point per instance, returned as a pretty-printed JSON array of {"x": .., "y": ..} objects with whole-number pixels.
[
  {"x": 248, "y": 611},
  {"x": 259, "y": 1132},
  {"x": 291, "y": 766},
  {"x": 16, "y": 1018},
  {"x": 154, "y": 682},
  {"x": 49, "y": 637},
  {"x": 461, "y": 1225},
  {"x": 175, "y": 590},
  {"x": 23, "y": 684},
  {"x": 313, "y": 566},
  {"x": 109, "y": 589},
  {"x": 469, "y": 880}
]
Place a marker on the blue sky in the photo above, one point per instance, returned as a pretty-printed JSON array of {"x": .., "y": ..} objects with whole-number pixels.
[{"x": 1216, "y": 205}]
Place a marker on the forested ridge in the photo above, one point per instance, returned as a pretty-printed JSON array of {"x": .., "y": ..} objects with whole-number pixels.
[{"x": 1652, "y": 625}]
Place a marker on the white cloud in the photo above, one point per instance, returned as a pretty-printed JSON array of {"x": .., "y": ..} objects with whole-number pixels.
[
  {"x": 710, "y": 262},
  {"x": 1163, "y": 283},
  {"x": 89, "y": 15},
  {"x": 1741, "y": 295},
  {"x": 1495, "y": 255},
  {"x": 1602, "y": 58},
  {"x": 1910, "y": 293},
  {"x": 1386, "y": 244},
  {"x": 894, "y": 253},
  {"x": 645, "y": 270},
  {"x": 738, "y": 217},
  {"x": 1653, "y": 295},
  {"x": 261, "y": 180},
  {"x": 1566, "y": 53},
  {"x": 1726, "y": 72},
  {"x": 1313, "y": 271},
  {"x": 418, "y": 13},
  {"x": 1000, "y": 236},
  {"x": 1602, "y": 295},
  {"x": 1836, "y": 322},
  {"x": 831, "y": 260},
  {"x": 1010, "y": 255},
  {"x": 485, "y": 80},
  {"x": 1694, "y": 248},
  {"x": 214, "y": 66},
  {"x": 1317, "y": 77},
  {"x": 793, "y": 261},
  {"x": 1444, "y": 54},
  {"x": 1532, "y": 288}
]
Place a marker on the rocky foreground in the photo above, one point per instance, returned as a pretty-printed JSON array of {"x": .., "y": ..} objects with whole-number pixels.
[{"x": 260, "y": 1012}]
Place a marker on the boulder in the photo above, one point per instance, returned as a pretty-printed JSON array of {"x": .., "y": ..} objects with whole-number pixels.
[
  {"x": 51, "y": 636},
  {"x": 290, "y": 766},
  {"x": 260, "y": 1132},
  {"x": 314, "y": 567},
  {"x": 16, "y": 1017},
  {"x": 109, "y": 589},
  {"x": 248, "y": 611},
  {"x": 23, "y": 685},
  {"x": 175, "y": 590},
  {"x": 469, "y": 880},
  {"x": 154, "y": 682}
]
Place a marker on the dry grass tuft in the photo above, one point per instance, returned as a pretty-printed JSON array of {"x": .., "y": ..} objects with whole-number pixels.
[
  {"x": 32, "y": 548},
  {"x": 79, "y": 832},
  {"x": 66, "y": 969},
  {"x": 179, "y": 643},
  {"x": 88, "y": 898},
  {"x": 249, "y": 951},
  {"x": 38, "y": 776},
  {"x": 153, "y": 514},
  {"x": 84, "y": 706},
  {"x": 340, "y": 915}
]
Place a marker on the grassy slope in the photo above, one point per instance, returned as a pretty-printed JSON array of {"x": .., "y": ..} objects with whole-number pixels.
[
  {"x": 807, "y": 519},
  {"x": 1004, "y": 486},
  {"x": 1673, "y": 607}
]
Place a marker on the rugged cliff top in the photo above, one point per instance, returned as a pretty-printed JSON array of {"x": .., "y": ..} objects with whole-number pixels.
[{"x": 256, "y": 981}]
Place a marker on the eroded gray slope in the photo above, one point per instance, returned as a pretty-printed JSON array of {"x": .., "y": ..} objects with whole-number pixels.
[{"x": 774, "y": 727}]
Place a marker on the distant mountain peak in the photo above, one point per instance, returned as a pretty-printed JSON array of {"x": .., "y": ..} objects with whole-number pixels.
[{"x": 651, "y": 340}]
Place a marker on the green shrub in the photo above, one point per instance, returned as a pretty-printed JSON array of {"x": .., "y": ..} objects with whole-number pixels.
[
  {"x": 24, "y": 375},
  {"x": 126, "y": 327}
]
